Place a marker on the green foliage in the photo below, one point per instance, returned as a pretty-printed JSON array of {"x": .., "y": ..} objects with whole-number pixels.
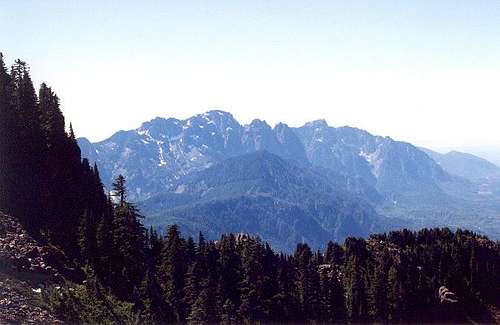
[
  {"x": 89, "y": 303},
  {"x": 172, "y": 269},
  {"x": 142, "y": 277},
  {"x": 45, "y": 183}
]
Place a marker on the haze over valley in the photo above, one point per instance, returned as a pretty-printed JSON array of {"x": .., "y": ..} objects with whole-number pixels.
[
  {"x": 249, "y": 162},
  {"x": 210, "y": 173}
]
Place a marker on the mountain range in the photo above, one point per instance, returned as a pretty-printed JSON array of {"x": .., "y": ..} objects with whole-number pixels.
[
  {"x": 316, "y": 182},
  {"x": 466, "y": 165}
]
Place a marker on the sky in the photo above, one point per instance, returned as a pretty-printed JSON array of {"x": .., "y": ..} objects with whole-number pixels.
[{"x": 427, "y": 72}]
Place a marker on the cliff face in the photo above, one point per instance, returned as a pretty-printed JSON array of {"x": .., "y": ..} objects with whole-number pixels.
[{"x": 26, "y": 269}]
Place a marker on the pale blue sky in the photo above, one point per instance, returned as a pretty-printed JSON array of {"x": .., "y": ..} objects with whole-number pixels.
[{"x": 421, "y": 71}]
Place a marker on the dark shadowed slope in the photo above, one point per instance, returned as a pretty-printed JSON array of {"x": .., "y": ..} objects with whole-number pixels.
[{"x": 261, "y": 193}]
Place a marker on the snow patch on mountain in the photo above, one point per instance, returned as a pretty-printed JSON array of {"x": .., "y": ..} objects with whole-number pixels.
[
  {"x": 163, "y": 162},
  {"x": 367, "y": 156}
]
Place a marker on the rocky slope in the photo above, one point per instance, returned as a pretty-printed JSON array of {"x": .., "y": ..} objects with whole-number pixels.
[
  {"x": 26, "y": 268},
  {"x": 18, "y": 306}
]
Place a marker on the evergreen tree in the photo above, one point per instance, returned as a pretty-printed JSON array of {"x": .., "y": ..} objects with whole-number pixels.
[
  {"x": 43, "y": 178},
  {"x": 334, "y": 254},
  {"x": 9, "y": 132},
  {"x": 119, "y": 190},
  {"x": 251, "y": 286},
  {"x": 153, "y": 248},
  {"x": 30, "y": 154},
  {"x": 105, "y": 244},
  {"x": 128, "y": 239},
  {"x": 87, "y": 239},
  {"x": 306, "y": 282},
  {"x": 196, "y": 281},
  {"x": 378, "y": 292},
  {"x": 60, "y": 198},
  {"x": 230, "y": 273},
  {"x": 331, "y": 295},
  {"x": 202, "y": 310},
  {"x": 394, "y": 295},
  {"x": 153, "y": 308},
  {"x": 270, "y": 285},
  {"x": 355, "y": 280},
  {"x": 171, "y": 272},
  {"x": 285, "y": 305}
]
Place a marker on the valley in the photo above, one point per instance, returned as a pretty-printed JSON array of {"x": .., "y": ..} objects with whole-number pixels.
[{"x": 330, "y": 182}]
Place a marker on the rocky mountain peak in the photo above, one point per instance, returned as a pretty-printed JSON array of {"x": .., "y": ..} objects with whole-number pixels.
[
  {"x": 219, "y": 113},
  {"x": 216, "y": 117},
  {"x": 258, "y": 124},
  {"x": 321, "y": 123},
  {"x": 162, "y": 150}
]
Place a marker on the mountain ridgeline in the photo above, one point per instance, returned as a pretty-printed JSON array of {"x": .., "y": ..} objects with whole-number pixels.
[
  {"x": 171, "y": 148},
  {"x": 69, "y": 252},
  {"x": 358, "y": 182}
]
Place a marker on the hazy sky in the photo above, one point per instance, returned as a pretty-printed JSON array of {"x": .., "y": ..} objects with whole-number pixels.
[{"x": 421, "y": 71}]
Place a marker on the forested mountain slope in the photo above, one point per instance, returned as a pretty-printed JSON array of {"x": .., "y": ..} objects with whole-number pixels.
[
  {"x": 107, "y": 268},
  {"x": 262, "y": 194},
  {"x": 398, "y": 179}
]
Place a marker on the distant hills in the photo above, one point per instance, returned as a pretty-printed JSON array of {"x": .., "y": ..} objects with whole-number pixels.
[
  {"x": 465, "y": 165},
  {"x": 313, "y": 183}
]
